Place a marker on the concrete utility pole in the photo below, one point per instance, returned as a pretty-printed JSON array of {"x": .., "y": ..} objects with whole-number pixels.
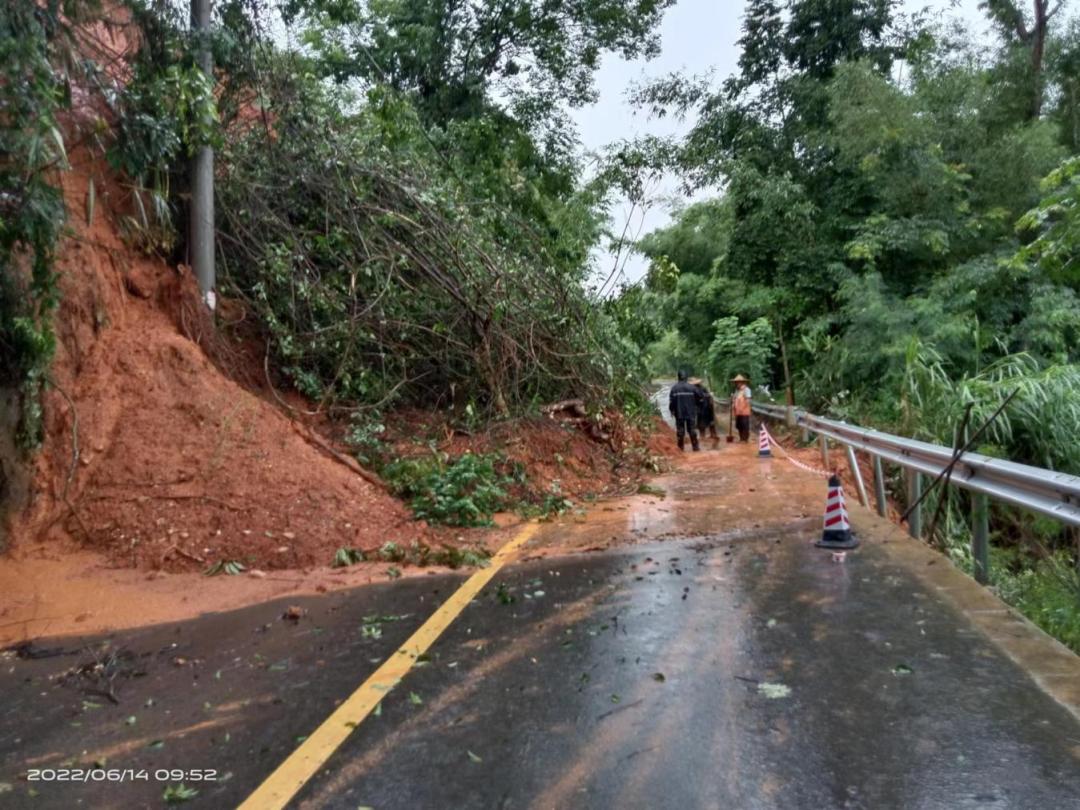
[{"x": 201, "y": 236}]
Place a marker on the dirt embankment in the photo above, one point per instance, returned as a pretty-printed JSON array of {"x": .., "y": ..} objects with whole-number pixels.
[
  {"x": 156, "y": 457},
  {"x": 562, "y": 452},
  {"x": 166, "y": 449}
]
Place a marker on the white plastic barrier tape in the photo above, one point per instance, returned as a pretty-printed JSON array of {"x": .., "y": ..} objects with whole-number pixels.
[{"x": 805, "y": 467}]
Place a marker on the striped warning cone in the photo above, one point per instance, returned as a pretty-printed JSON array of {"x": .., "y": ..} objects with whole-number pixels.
[
  {"x": 837, "y": 532},
  {"x": 763, "y": 449}
]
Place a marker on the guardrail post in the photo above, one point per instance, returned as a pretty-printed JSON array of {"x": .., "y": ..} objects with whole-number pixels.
[
  {"x": 804, "y": 436},
  {"x": 857, "y": 475},
  {"x": 789, "y": 416},
  {"x": 824, "y": 450},
  {"x": 980, "y": 537},
  {"x": 879, "y": 487},
  {"x": 914, "y": 488}
]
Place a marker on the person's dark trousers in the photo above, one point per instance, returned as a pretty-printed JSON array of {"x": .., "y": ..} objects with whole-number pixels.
[
  {"x": 710, "y": 430},
  {"x": 684, "y": 426},
  {"x": 742, "y": 424}
]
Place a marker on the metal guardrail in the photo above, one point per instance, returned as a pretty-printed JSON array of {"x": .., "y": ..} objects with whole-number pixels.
[
  {"x": 1054, "y": 494},
  {"x": 1050, "y": 493}
]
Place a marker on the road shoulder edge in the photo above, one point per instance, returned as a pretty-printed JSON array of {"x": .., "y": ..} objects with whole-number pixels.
[{"x": 1051, "y": 665}]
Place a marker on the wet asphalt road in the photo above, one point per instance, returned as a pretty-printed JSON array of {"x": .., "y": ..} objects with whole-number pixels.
[{"x": 717, "y": 671}]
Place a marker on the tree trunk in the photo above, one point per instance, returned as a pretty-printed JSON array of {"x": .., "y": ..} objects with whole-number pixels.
[
  {"x": 201, "y": 233},
  {"x": 1038, "y": 51},
  {"x": 788, "y": 386},
  {"x": 1075, "y": 115}
]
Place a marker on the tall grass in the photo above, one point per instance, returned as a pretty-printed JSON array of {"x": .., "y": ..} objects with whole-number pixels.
[
  {"x": 1039, "y": 426},
  {"x": 1035, "y": 561}
]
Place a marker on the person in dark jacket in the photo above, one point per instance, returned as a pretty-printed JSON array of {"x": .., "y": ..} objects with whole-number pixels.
[
  {"x": 683, "y": 402},
  {"x": 706, "y": 416}
]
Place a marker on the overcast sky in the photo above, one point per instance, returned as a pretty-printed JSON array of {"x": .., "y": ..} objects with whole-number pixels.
[{"x": 696, "y": 36}]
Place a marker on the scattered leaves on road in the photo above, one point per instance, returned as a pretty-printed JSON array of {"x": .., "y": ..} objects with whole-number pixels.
[
  {"x": 294, "y": 613},
  {"x": 902, "y": 669},
  {"x": 773, "y": 691},
  {"x": 502, "y": 593},
  {"x": 473, "y": 757},
  {"x": 347, "y": 556},
  {"x": 659, "y": 677},
  {"x": 415, "y": 699},
  {"x": 230, "y": 567},
  {"x": 174, "y": 794},
  {"x": 648, "y": 489}
]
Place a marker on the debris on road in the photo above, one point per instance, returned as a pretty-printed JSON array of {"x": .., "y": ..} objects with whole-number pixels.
[
  {"x": 773, "y": 691},
  {"x": 293, "y": 613}
]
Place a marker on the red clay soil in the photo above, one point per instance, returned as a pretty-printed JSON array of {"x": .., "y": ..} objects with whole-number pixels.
[
  {"x": 560, "y": 452},
  {"x": 163, "y": 452},
  {"x": 153, "y": 455}
]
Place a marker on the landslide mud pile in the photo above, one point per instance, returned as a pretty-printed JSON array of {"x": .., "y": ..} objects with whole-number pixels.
[
  {"x": 167, "y": 448},
  {"x": 153, "y": 454}
]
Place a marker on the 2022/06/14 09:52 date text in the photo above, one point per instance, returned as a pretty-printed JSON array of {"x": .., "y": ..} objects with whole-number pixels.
[{"x": 121, "y": 775}]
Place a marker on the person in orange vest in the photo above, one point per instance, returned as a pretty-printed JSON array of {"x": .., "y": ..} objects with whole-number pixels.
[{"x": 740, "y": 406}]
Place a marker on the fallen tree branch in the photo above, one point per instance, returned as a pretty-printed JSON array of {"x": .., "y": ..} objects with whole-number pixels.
[
  {"x": 319, "y": 443},
  {"x": 74, "y": 457},
  {"x": 957, "y": 455}
]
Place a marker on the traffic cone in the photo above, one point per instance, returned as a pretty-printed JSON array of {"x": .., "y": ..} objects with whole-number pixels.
[
  {"x": 837, "y": 532},
  {"x": 763, "y": 449}
]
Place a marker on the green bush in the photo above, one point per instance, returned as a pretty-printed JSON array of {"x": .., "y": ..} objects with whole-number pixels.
[
  {"x": 366, "y": 438},
  {"x": 464, "y": 492},
  {"x": 378, "y": 279},
  {"x": 1047, "y": 592},
  {"x": 553, "y": 504},
  {"x": 32, "y": 212}
]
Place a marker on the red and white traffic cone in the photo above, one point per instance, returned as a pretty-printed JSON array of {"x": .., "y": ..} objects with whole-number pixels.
[
  {"x": 763, "y": 449},
  {"x": 837, "y": 532}
]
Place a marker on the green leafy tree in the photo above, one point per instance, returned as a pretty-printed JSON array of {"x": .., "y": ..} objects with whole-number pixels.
[
  {"x": 453, "y": 56},
  {"x": 32, "y": 211},
  {"x": 1055, "y": 226},
  {"x": 741, "y": 349},
  {"x": 1027, "y": 33}
]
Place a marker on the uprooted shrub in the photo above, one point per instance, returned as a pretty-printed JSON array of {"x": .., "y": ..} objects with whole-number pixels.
[
  {"x": 378, "y": 277},
  {"x": 466, "y": 491}
]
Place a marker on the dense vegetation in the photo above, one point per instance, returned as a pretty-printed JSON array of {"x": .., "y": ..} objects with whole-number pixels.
[
  {"x": 31, "y": 207},
  {"x": 421, "y": 232},
  {"x": 401, "y": 202},
  {"x": 894, "y": 236}
]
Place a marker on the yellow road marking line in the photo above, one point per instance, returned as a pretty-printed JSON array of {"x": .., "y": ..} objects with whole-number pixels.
[{"x": 291, "y": 775}]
